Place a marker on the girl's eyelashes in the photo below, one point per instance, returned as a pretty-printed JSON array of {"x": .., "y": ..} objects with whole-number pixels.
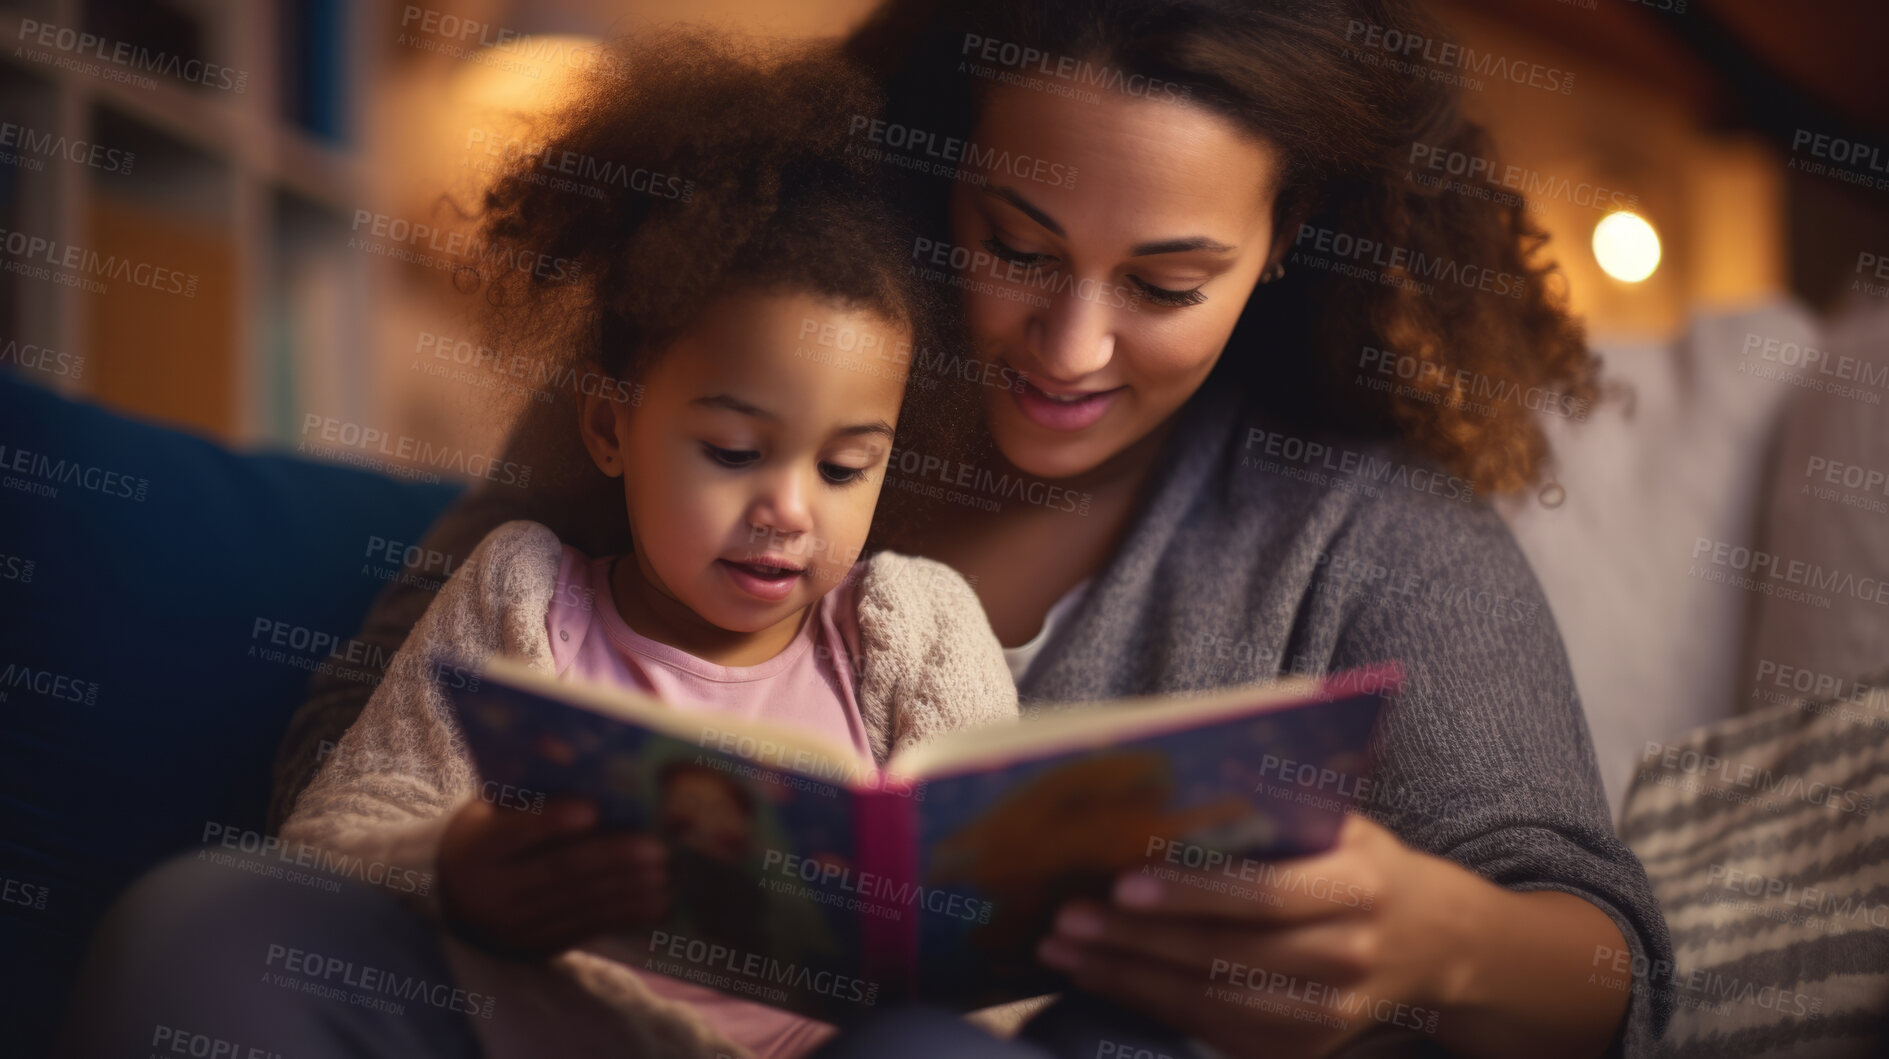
[
  {"x": 1158, "y": 295},
  {"x": 729, "y": 457},
  {"x": 1167, "y": 296},
  {"x": 738, "y": 459},
  {"x": 840, "y": 474}
]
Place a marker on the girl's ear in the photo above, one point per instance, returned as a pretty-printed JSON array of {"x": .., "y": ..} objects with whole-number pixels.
[{"x": 600, "y": 421}]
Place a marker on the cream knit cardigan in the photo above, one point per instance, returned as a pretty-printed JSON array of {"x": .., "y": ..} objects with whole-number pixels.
[{"x": 927, "y": 663}]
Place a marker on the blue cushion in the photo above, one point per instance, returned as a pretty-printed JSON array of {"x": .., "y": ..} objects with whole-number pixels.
[{"x": 161, "y": 600}]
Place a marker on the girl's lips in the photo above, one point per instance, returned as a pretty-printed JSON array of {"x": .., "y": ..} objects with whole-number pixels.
[
  {"x": 762, "y": 582},
  {"x": 1048, "y": 412}
]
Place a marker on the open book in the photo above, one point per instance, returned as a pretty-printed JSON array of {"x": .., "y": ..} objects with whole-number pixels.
[{"x": 806, "y": 879}]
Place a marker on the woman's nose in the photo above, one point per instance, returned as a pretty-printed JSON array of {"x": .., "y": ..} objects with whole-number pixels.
[{"x": 1071, "y": 338}]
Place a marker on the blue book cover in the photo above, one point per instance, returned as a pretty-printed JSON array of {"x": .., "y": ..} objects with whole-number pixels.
[{"x": 806, "y": 879}]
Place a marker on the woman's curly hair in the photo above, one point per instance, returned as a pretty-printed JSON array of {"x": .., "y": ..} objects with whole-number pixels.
[
  {"x": 1346, "y": 118},
  {"x": 687, "y": 165}
]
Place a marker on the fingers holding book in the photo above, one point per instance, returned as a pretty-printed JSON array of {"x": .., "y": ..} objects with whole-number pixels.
[{"x": 530, "y": 884}]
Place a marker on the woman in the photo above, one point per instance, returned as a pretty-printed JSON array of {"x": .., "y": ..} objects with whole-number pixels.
[{"x": 1131, "y": 180}]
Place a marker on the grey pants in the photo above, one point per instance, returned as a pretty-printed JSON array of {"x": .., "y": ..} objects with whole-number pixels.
[{"x": 218, "y": 955}]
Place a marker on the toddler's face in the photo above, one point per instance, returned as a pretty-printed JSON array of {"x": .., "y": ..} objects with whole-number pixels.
[{"x": 754, "y": 460}]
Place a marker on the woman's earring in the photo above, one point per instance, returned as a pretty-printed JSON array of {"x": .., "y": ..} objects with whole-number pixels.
[{"x": 1276, "y": 270}]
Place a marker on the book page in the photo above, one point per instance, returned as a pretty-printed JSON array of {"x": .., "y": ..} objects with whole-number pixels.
[{"x": 1078, "y": 725}]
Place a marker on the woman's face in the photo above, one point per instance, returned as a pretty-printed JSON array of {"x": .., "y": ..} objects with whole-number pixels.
[{"x": 1105, "y": 255}]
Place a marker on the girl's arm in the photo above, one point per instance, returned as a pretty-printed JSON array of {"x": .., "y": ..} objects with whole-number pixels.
[
  {"x": 565, "y": 493},
  {"x": 386, "y": 792},
  {"x": 927, "y": 659}
]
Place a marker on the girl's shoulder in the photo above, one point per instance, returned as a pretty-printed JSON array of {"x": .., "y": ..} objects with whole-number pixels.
[{"x": 518, "y": 562}]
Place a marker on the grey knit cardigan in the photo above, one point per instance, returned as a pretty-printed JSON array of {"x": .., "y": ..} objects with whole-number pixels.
[{"x": 1252, "y": 554}]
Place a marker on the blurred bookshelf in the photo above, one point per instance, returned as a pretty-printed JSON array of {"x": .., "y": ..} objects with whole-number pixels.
[{"x": 216, "y": 146}]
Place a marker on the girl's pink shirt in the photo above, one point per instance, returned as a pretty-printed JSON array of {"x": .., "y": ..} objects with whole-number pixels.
[{"x": 801, "y": 687}]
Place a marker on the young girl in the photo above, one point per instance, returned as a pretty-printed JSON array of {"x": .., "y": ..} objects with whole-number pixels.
[{"x": 751, "y": 445}]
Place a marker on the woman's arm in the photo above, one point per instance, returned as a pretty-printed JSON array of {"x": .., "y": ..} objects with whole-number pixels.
[
  {"x": 1503, "y": 906},
  {"x": 1369, "y": 939}
]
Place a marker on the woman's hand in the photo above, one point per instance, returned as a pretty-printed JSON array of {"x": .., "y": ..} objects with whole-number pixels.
[
  {"x": 1301, "y": 957},
  {"x": 534, "y": 884}
]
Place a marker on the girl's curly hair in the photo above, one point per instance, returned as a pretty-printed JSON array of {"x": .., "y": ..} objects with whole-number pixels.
[
  {"x": 687, "y": 165},
  {"x": 1347, "y": 120}
]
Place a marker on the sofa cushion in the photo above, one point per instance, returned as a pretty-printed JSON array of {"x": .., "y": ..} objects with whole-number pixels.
[
  {"x": 1764, "y": 839},
  {"x": 164, "y": 600}
]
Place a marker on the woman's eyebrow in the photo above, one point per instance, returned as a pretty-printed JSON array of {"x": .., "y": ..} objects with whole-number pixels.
[
  {"x": 1179, "y": 246},
  {"x": 1185, "y": 244},
  {"x": 1031, "y": 209}
]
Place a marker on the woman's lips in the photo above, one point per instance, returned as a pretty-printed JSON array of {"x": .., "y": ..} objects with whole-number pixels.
[
  {"x": 770, "y": 583},
  {"x": 1053, "y": 414}
]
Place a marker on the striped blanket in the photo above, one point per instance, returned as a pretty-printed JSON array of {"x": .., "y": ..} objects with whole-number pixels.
[{"x": 1766, "y": 842}]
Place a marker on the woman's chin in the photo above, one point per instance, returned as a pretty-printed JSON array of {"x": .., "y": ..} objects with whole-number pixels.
[{"x": 1047, "y": 454}]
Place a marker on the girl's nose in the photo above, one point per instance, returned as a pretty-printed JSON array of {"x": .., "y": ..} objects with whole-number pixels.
[{"x": 781, "y": 507}]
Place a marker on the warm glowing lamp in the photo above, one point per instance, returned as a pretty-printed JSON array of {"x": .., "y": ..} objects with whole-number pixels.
[{"x": 1626, "y": 246}]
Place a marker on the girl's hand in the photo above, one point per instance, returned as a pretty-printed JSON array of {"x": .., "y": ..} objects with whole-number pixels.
[
  {"x": 1368, "y": 938},
  {"x": 534, "y": 884}
]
